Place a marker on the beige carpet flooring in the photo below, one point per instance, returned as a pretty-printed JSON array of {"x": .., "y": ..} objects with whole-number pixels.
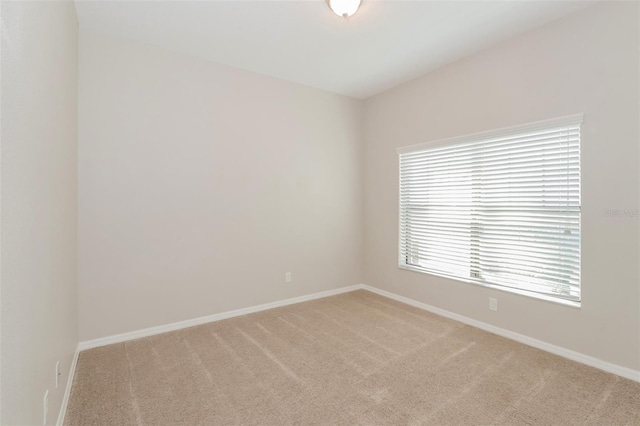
[{"x": 352, "y": 359}]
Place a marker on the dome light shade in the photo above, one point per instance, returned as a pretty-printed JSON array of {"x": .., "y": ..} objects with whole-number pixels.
[{"x": 344, "y": 8}]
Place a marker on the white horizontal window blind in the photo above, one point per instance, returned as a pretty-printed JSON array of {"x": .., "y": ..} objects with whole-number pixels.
[{"x": 500, "y": 208}]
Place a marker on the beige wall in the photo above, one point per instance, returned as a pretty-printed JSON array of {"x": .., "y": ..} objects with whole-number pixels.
[
  {"x": 587, "y": 63},
  {"x": 201, "y": 185},
  {"x": 38, "y": 145}
]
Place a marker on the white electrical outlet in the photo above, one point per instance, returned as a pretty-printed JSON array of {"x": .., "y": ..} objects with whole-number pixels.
[
  {"x": 287, "y": 277},
  {"x": 57, "y": 374},
  {"x": 45, "y": 407},
  {"x": 493, "y": 304}
]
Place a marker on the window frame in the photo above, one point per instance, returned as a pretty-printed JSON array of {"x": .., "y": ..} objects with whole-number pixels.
[{"x": 477, "y": 279}]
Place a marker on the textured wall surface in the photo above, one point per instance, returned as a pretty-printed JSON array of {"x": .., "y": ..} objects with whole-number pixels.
[
  {"x": 200, "y": 185},
  {"x": 39, "y": 206},
  {"x": 585, "y": 63}
]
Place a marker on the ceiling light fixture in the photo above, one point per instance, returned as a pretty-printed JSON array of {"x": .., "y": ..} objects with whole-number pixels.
[{"x": 344, "y": 8}]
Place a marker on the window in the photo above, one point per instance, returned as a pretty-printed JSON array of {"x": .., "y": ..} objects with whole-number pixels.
[{"x": 500, "y": 209}]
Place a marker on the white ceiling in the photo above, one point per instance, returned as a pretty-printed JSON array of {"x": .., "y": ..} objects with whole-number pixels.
[{"x": 384, "y": 44}]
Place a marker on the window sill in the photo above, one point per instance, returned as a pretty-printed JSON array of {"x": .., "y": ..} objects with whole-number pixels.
[{"x": 531, "y": 294}]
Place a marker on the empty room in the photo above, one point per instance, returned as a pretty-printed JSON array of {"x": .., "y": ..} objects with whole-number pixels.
[{"x": 322, "y": 212}]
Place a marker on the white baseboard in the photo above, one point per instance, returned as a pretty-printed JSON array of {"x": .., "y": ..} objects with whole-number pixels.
[
  {"x": 67, "y": 390},
  {"x": 118, "y": 338},
  {"x": 548, "y": 347},
  {"x": 530, "y": 341}
]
